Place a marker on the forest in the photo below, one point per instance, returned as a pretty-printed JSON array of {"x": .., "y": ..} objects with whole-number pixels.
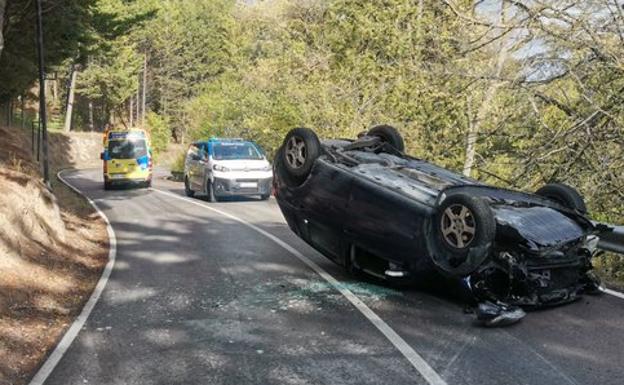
[{"x": 513, "y": 93}]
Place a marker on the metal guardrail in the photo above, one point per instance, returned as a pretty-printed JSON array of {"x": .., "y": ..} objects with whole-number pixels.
[{"x": 613, "y": 240}]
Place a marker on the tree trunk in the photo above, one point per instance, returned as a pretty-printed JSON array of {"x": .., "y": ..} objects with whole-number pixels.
[
  {"x": 110, "y": 121},
  {"x": 48, "y": 91},
  {"x": 70, "y": 99},
  {"x": 55, "y": 94},
  {"x": 11, "y": 108},
  {"x": 91, "y": 123},
  {"x": 131, "y": 111},
  {"x": 143, "y": 102},
  {"x": 3, "y": 4},
  {"x": 474, "y": 125},
  {"x": 22, "y": 107},
  {"x": 138, "y": 102}
]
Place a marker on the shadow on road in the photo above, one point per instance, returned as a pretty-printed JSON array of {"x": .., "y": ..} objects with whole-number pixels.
[{"x": 198, "y": 298}]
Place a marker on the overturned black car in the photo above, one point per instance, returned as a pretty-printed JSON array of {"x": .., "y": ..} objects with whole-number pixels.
[{"x": 369, "y": 207}]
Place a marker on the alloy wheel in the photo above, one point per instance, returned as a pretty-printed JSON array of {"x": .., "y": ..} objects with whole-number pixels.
[
  {"x": 296, "y": 152},
  {"x": 458, "y": 226}
]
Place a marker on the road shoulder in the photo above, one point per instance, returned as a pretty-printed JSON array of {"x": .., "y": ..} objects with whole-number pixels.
[{"x": 54, "y": 248}]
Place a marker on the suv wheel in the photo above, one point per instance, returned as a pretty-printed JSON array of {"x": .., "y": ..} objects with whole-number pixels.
[
  {"x": 187, "y": 188},
  {"x": 210, "y": 195}
]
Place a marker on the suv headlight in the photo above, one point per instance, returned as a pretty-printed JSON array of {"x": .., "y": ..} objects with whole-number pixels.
[{"x": 218, "y": 167}]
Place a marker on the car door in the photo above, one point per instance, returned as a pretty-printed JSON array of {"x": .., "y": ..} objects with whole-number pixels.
[
  {"x": 191, "y": 164},
  {"x": 203, "y": 166},
  {"x": 382, "y": 222},
  {"x": 324, "y": 202},
  {"x": 199, "y": 167}
]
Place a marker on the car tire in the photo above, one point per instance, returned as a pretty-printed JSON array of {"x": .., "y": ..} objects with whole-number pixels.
[
  {"x": 265, "y": 197},
  {"x": 299, "y": 151},
  {"x": 389, "y": 135},
  {"x": 108, "y": 186},
  {"x": 464, "y": 229},
  {"x": 564, "y": 195},
  {"x": 148, "y": 184},
  {"x": 187, "y": 188},
  {"x": 210, "y": 194}
]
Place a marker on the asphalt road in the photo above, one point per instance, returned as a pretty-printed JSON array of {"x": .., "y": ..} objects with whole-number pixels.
[{"x": 197, "y": 298}]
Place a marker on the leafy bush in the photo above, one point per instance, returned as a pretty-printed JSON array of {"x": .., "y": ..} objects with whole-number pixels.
[
  {"x": 178, "y": 165},
  {"x": 160, "y": 133},
  {"x": 611, "y": 269}
]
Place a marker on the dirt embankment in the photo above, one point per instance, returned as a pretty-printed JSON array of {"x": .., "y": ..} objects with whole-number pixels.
[
  {"x": 79, "y": 149},
  {"x": 53, "y": 247}
]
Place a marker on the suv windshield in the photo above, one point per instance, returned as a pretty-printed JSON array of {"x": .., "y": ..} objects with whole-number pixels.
[
  {"x": 235, "y": 150},
  {"x": 127, "y": 149}
]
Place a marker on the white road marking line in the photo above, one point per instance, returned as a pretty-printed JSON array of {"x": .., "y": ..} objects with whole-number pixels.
[
  {"x": 53, "y": 359},
  {"x": 425, "y": 370},
  {"x": 554, "y": 367},
  {"x": 613, "y": 293}
]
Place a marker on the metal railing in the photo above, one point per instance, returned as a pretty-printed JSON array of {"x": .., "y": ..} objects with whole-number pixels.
[{"x": 613, "y": 240}]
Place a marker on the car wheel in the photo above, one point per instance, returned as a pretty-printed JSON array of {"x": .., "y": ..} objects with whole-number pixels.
[
  {"x": 148, "y": 184},
  {"x": 108, "y": 186},
  {"x": 187, "y": 188},
  {"x": 389, "y": 135},
  {"x": 265, "y": 197},
  {"x": 464, "y": 229},
  {"x": 564, "y": 195},
  {"x": 210, "y": 195},
  {"x": 299, "y": 151}
]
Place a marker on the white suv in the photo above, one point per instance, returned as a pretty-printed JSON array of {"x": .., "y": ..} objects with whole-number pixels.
[{"x": 227, "y": 167}]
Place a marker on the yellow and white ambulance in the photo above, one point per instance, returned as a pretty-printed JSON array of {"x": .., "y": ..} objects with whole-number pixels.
[{"x": 127, "y": 158}]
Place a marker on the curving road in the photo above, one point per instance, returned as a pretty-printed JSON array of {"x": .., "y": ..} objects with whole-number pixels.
[{"x": 198, "y": 298}]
